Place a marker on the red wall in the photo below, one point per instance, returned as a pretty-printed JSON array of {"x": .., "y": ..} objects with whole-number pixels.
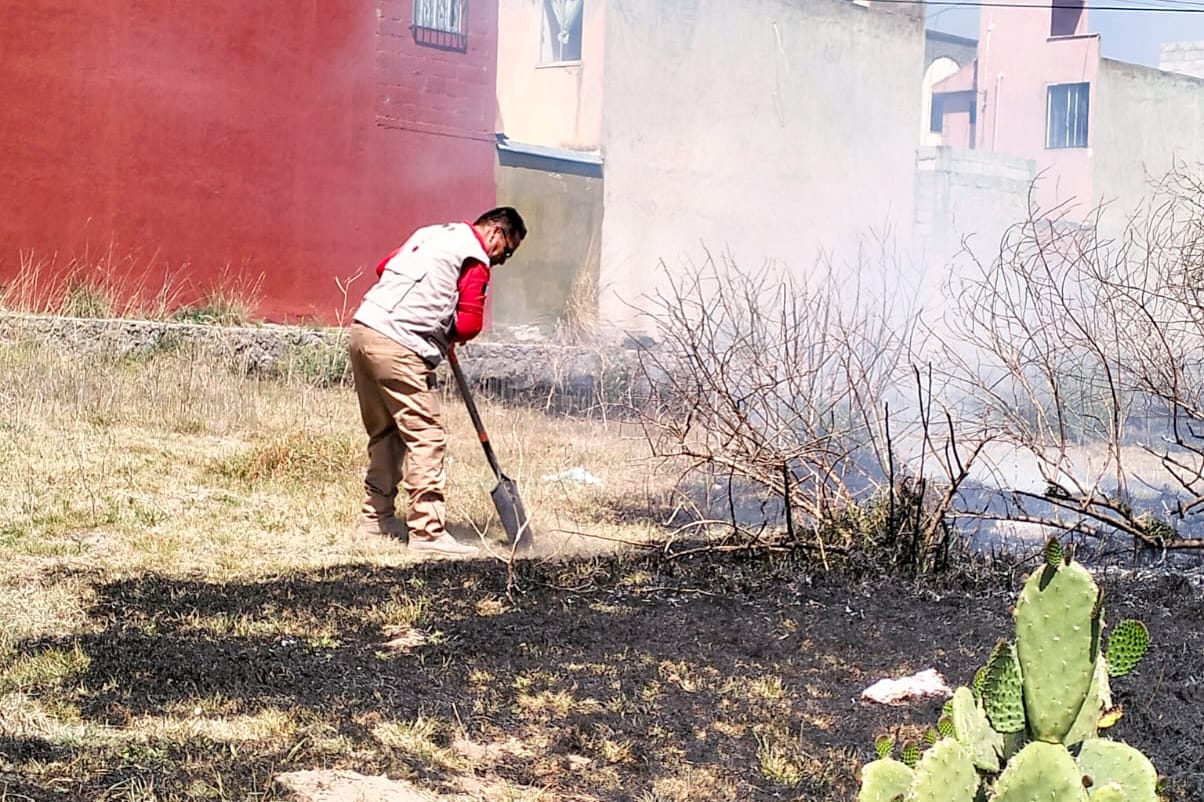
[{"x": 221, "y": 141}]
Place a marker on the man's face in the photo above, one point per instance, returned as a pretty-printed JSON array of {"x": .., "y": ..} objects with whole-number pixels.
[{"x": 501, "y": 246}]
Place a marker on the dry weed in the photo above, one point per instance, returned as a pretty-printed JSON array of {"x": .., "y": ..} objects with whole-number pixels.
[{"x": 173, "y": 465}]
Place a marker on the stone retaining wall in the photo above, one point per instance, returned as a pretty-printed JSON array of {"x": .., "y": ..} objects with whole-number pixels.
[{"x": 561, "y": 376}]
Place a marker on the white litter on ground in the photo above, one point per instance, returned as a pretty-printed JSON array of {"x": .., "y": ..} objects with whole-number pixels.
[
  {"x": 579, "y": 475},
  {"x": 924, "y": 685}
]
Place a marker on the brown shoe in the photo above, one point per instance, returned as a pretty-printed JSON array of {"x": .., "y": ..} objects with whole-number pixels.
[
  {"x": 386, "y": 527},
  {"x": 444, "y": 544}
]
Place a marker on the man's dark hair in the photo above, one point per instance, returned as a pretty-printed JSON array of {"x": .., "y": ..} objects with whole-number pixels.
[{"x": 507, "y": 219}]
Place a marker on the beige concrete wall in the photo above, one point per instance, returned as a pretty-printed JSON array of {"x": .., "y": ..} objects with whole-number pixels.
[
  {"x": 553, "y": 105},
  {"x": 767, "y": 128},
  {"x": 560, "y": 255},
  {"x": 967, "y": 198},
  {"x": 1145, "y": 120}
]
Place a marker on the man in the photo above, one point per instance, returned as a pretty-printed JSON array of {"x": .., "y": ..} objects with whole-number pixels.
[{"x": 429, "y": 296}]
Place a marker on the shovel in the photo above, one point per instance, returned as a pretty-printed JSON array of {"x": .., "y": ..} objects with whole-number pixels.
[{"x": 505, "y": 496}]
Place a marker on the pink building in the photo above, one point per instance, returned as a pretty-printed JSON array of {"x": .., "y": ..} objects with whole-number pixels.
[{"x": 1030, "y": 93}]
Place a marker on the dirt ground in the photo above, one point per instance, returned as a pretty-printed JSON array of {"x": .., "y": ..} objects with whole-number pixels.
[{"x": 712, "y": 677}]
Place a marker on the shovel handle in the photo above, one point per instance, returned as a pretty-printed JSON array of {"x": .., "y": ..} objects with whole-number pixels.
[{"x": 462, "y": 383}]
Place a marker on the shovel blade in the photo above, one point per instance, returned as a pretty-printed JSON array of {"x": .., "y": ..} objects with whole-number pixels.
[{"x": 511, "y": 512}]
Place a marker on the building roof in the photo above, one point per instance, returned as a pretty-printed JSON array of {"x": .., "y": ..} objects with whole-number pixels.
[
  {"x": 542, "y": 157},
  {"x": 941, "y": 36}
]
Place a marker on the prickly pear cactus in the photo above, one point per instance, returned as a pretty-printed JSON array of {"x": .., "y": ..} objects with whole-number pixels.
[
  {"x": 973, "y": 730},
  {"x": 1053, "y": 553},
  {"x": 1126, "y": 646},
  {"x": 944, "y": 774},
  {"x": 1057, "y": 638},
  {"x": 1111, "y": 763},
  {"x": 1003, "y": 691},
  {"x": 1099, "y": 700},
  {"x": 883, "y": 780},
  {"x": 1108, "y": 793},
  {"x": 1034, "y": 699},
  {"x": 1040, "y": 771}
]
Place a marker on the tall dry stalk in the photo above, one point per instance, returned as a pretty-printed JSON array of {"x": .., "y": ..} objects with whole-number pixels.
[{"x": 579, "y": 322}]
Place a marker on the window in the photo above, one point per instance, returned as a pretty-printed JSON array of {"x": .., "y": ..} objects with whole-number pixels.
[
  {"x": 1065, "y": 16},
  {"x": 441, "y": 24},
  {"x": 936, "y": 118},
  {"x": 561, "y": 31},
  {"x": 446, "y": 16},
  {"x": 1066, "y": 116}
]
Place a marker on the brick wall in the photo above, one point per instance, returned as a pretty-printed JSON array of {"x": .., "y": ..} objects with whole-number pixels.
[
  {"x": 1186, "y": 58},
  {"x": 433, "y": 82},
  {"x": 220, "y": 139}
]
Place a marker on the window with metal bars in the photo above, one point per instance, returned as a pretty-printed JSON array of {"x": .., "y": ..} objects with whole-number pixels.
[
  {"x": 441, "y": 23},
  {"x": 1066, "y": 115},
  {"x": 439, "y": 15}
]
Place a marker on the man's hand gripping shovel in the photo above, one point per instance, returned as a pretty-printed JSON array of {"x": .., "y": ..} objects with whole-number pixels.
[{"x": 505, "y": 496}]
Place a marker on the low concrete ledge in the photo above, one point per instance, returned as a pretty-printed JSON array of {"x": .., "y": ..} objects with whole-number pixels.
[{"x": 566, "y": 376}]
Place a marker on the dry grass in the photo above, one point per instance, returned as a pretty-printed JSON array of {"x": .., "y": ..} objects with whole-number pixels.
[
  {"x": 186, "y": 611},
  {"x": 176, "y": 463},
  {"x": 176, "y": 466},
  {"x": 112, "y": 282}
]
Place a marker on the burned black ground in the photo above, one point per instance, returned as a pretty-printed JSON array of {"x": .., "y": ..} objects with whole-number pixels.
[{"x": 743, "y": 669}]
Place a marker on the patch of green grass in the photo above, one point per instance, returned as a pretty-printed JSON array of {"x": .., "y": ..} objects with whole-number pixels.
[
  {"x": 295, "y": 455},
  {"x": 231, "y": 301},
  {"x": 322, "y": 364},
  {"x": 87, "y": 299},
  {"x": 47, "y": 669}
]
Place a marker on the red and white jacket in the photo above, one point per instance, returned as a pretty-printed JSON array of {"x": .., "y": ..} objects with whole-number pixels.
[{"x": 431, "y": 290}]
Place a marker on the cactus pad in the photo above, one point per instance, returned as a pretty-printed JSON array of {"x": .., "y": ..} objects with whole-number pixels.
[
  {"x": 1126, "y": 646},
  {"x": 1003, "y": 693},
  {"x": 910, "y": 754},
  {"x": 1055, "y": 647},
  {"x": 1040, "y": 771},
  {"x": 1109, "y": 793},
  {"x": 1111, "y": 763},
  {"x": 884, "y": 745},
  {"x": 980, "y": 681},
  {"x": 1110, "y": 717},
  {"x": 973, "y": 731},
  {"x": 1098, "y": 700},
  {"x": 944, "y": 774},
  {"x": 883, "y": 780},
  {"x": 1052, "y": 553}
]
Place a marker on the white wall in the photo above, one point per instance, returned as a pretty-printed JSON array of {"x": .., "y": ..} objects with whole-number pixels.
[
  {"x": 770, "y": 128},
  {"x": 1145, "y": 120}
]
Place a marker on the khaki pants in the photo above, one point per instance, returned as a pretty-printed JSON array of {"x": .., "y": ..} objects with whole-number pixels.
[{"x": 403, "y": 416}]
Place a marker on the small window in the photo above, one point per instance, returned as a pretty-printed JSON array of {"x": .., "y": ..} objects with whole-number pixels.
[
  {"x": 1066, "y": 116},
  {"x": 441, "y": 24},
  {"x": 561, "y": 31},
  {"x": 1065, "y": 17},
  {"x": 445, "y": 16},
  {"x": 936, "y": 120}
]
